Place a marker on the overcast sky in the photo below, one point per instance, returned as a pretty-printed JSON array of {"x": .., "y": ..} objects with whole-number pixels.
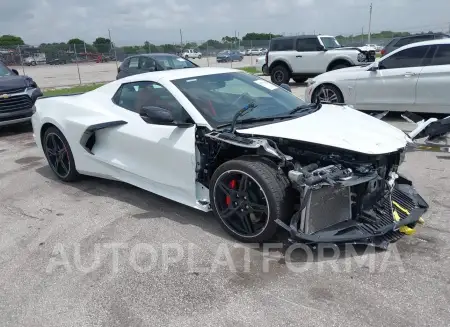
[{"x": 159, "y": 21}]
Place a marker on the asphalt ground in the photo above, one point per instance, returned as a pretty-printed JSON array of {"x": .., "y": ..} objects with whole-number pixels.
[{"x": 102, "y": 253}]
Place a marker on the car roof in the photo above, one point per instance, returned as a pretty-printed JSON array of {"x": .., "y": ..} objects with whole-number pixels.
[
  {"x": 167, "y": 75},
  {"x": 430, "y": 42},
  {"x": 154, "y": 55}
]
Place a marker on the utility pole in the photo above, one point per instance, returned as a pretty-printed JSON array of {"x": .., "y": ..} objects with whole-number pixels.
[
  {"x": 370, "y": 23},
  {"x": 111, "y": 45},
  {"x": 181, "y": 38},
  {"x": 362, "y": 35}
]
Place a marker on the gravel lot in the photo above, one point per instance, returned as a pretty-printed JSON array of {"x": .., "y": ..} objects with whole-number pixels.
[
  {"x": 43, "y": 222},
  {"x": 48, "y": 76}
]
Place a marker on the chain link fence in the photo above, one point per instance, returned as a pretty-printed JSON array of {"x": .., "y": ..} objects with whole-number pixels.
[{"x": 62, "y": 64}]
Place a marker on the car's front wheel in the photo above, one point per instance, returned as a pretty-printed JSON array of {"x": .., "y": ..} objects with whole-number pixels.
[
  {"x": 327, "y": 93},
  {"x": 248, "y": 196},
  {"x": 59, "y": 155},
  {"x": 280, "y": 75}
]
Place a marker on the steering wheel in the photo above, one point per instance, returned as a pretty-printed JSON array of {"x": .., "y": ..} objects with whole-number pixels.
[{"x": 240, "y": 97}]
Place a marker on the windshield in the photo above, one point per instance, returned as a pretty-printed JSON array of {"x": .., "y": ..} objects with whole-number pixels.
[
  {"x": 219, "y": 96},
  {"x": 4, "y": 71},
  {"x": 173, "y": 62},
  {"x": 330, "y": 42}
]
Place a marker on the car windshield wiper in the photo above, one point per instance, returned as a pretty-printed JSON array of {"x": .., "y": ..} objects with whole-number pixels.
[
  {"x": 245, "y": 110},
  {"x": 257, "y": 119},
  {"x": 316, "y": 106}
]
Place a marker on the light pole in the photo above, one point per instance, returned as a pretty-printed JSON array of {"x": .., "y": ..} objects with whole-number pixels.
[{"x": 370, "y": 23}]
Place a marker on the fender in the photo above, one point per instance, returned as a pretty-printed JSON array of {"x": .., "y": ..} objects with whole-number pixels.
[{"x": 274, "y": 63}]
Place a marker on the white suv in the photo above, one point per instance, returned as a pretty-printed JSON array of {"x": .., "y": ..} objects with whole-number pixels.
[
  {"x": 191, "y": 54},
  {"x": 306, "y": 56}
]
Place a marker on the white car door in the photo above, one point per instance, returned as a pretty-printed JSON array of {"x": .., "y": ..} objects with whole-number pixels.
[
  {"x": 157, "y": 157},
  {"x": 434, "y": 83},
  {"x": 308, "y": 58},
  {"x": 393, "y": 85}
]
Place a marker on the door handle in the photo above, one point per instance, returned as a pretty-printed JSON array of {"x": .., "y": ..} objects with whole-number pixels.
[
  {"x": 409, "y": 74},
  {"x": 299, "y": 56}
]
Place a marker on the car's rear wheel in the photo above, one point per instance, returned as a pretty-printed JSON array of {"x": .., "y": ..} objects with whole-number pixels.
[
  {"x": 300, "y": 79},
  {"x": 186, "y": 57},
  {"x": 327, "y": 93},
  {"x": 199, "y": 57},
  {"x": 280, "y": 75},
  {"x": 59, "y": 155},
  {"x": 248, "y": 196}
]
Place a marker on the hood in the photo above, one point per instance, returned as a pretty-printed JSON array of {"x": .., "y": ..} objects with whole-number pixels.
[
  {"x": 339, "y": 127},
  {"x": 342, "y": 73},
  {"x": 14, "y": 82}
]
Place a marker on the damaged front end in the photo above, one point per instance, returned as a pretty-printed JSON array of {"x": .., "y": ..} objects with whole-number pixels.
[{"x": 361, "y": 203}]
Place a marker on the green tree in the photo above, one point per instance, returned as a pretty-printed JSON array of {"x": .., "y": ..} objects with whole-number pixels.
[
  {"x": 259, "y": 36},
  {"x": 75, "y": 41},
  {"x": 10, "y": 40},
  {"x": 102, "y": 45}
]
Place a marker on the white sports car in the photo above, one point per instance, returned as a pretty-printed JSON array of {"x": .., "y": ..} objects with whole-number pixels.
[{"x": 256, "y": 155}]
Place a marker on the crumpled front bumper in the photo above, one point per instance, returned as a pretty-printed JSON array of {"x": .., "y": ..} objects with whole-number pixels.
[{"x": 399, "y": 215}]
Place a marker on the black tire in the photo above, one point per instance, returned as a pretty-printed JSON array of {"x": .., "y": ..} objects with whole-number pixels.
[
  {"x": 339, "y": 66},
  {"x": 274, "y": 190},
  {"x": 331, "y": 88},
  {"x": 186, "y": 57},
  {"x": 265, "y": 70},
  {"x": 280, "y": 75},
  {"x": 300, "y": 79},
  {"x": 72, "y": 174},
  {"x": 199, "y": 57}
]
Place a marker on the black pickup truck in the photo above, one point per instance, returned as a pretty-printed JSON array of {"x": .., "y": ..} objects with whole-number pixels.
[{"x": 17, "y": 96}]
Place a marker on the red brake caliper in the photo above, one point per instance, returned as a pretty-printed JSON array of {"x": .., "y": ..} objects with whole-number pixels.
[{"x": 232, "y": 185}]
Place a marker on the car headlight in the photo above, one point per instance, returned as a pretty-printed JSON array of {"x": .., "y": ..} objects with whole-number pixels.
[{"x": 361, "y": 57}]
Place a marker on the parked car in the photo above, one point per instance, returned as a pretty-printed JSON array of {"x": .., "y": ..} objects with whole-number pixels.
[
  {"x": 415, "y": 78},
  {"x": 306, "y": 56},
  {"x": 17, "y": 96},
  {"x": 35, "y": 59},
  {"x": 399, "y": 42},
  {"x": 191, "y": 53},
  {"x": 144, "y": 63},
  {"x": 57, "y": 61},
  {"x": 261, "y": 65},
  {"x": 229, "y": 56},
  {"x": 254, "y": 52},
  {"x": 189, "y": 136}
]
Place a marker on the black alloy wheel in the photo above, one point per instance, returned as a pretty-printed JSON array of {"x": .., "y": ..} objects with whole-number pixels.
[
  {"x": 248, "y": 195},
  {"x": 241, "y": 203},
  {"x": 59, "y": 155}
]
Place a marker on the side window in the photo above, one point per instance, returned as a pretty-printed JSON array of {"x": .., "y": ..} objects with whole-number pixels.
[
  {"x": 134, "y": 62},
  {"x": 442, "y": 56},
  {"x": 133, "y": 96},
  {"x": 309, "y": 44},
  {"x": 147, "y": 63},
  {"x": 282, "y": 45},
  {"x": 412, "y": 57}
]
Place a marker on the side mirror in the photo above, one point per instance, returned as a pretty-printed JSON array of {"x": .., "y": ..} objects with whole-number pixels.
[
  {"x": 15, "y": 71},
  {"x": 286, "y": 87},
  {"x": 151, "y": 69},
  {"x": 156, "y": 115},
  {"x": 375, "y": 66},
  {"x": 321, "y": 48}
]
